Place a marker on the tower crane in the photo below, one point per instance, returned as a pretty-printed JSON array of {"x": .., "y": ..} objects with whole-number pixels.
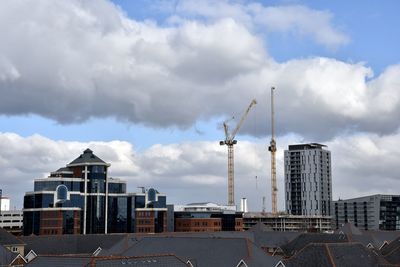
[
  {"x": 272, "y": 149},
  {"x": 230, "y": 141}
]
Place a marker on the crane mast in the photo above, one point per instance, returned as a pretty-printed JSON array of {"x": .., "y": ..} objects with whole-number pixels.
[
  {"x": 230, "y": 141},
  {"x": 272, "y": 149}
]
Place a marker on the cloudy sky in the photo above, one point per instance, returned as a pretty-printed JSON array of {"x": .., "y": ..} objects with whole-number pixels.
[{"x": 147, "y": 84}]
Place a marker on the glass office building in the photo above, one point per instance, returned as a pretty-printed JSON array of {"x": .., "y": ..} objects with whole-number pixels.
[{"x": 81, "y": 199}]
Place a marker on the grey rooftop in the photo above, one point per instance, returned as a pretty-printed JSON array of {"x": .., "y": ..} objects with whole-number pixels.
[{"x": 87, "y": 157}]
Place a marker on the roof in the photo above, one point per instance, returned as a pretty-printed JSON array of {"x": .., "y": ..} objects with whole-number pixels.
[
  {"x": 145, "y": 261},
  {"x": 373, "y": 237},
  {"x": 87, "y": 157},
  {"x": 63, "y": 169},
  {"x": 74, "y": 260},
  {"x": 59, "y": 261},
  {"x": 6, "y": 256},
  {"x": 391, "y": 252},
  {"x": 265, "y": 236},
  {"x": 70, "y": 244},
  {"x": 8, "y": 239},
  {"x": 334, "y": 254},
  {"x": 260, "y": 227},
  {"x": 203, "y": 251},
  {"x": 305, "y": 239},
  {"x": 306, "y": 146},
  {"x": 349, "y": 229},
  {"x": 133, "y": 238}
]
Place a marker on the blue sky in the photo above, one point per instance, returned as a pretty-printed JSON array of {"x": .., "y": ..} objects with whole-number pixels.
[
  {"x": 149, "y": 83},
  {"x": 370, "y": 26}
]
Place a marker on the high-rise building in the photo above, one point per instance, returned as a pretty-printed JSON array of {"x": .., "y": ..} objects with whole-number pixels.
[
  {"x": 82, "y": 199},
  {"x": 308, "y": 180},
  {"x": 376, "y": 212}
]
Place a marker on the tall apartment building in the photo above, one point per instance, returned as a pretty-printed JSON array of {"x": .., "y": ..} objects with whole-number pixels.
[
  {"x": 82, "y": 199},
  {"x": 375, "y": 212},
  {"x": 308, "y": 180}
]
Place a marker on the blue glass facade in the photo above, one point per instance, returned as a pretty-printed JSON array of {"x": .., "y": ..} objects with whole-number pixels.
[
  {"x": 50, "y": 185},
  {"x": 60, "y": 200}
]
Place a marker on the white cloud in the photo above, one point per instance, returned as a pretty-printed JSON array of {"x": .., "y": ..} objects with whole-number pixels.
[
  {"x": 75, "y": 62},
  {"x": 70, "y": 61},
  {"x": 196, "y": 171},
  {"x": 296, "y": 19},
  {"x": 365, "y": 164}
]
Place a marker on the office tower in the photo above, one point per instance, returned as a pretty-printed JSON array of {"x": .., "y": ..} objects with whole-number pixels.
[
  {"x": 82, "y": 199},
  {"x": 308, "y": 180}
]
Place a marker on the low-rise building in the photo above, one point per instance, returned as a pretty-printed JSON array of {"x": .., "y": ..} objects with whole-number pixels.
[
  {"x": 374, "y": 212},
  {"x": 207, "y": 217},
  {"x": 12, "y": 220}
]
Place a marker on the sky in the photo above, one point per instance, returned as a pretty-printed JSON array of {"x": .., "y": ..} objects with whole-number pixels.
[{"x": 147, "y": 85}]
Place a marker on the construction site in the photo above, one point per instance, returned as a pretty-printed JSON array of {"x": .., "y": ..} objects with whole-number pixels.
[{"x": 278, "y": 221}]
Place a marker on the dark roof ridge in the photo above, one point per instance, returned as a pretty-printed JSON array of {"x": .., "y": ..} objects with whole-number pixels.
[
  {"x": 320, "y": 244},
  {"x": 132, "y": 257},
  {"x": 329, "y": 255},
  {"x": 194, "y": 237},
  {"x": 393, "y": 250},
  {"x": 85, "y": 256},
  {"x": 303, "y": 248}
]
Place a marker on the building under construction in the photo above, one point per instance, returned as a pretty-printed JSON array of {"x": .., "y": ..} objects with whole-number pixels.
[{"x": 287, "y": 222}]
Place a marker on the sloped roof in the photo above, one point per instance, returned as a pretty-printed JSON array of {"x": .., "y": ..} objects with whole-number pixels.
[
  {"x": 8, "y": 239},
  {"x": 87, "y": 157},
  {"x": 379, "y": 237},
  {"x": 307, "y": 238},
  {"x": 349, "y": 229},
  {"x": 260, "y": 227},
  {"x": 274, "y": 239},
  {"x": 391, "y": 252},
  {"x": 144, "y": 261},
  {"x": 70, "y": 244},
  {"x": 59, "y": 261},
  {"x": 6, "y": 256},
  {"x": 133, "y": 238},
  {"x": 74, "y": 260},
  {"x": 334, "y": 254},
  {"x": 204, "y": 251},
  {"x": 265, "y": 236},
  {"x": 373, "y": 237}
]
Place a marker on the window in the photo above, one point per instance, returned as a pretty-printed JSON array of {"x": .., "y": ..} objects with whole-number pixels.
[
  {"x": 62, "y": 193},
  {"x": 151, "y": 195}
]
